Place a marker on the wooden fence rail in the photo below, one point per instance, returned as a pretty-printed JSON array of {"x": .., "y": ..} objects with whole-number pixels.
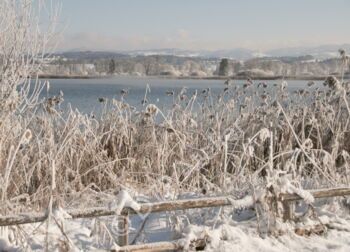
[
  {"x": 317, "y": 194},
  {"x": 146, "y": 208}
]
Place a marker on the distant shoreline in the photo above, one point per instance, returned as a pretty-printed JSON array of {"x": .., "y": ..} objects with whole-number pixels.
[{"x": 47, "y": 76}]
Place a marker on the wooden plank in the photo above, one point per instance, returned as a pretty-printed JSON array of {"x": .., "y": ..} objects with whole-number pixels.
[
  {"x": 322, "y": 193},
  {"x": 22, "y": 219},
  {"x": 178, "y": 245},
  {"x": 147, "y": 208},
  {"x": 151, "y": 247}
]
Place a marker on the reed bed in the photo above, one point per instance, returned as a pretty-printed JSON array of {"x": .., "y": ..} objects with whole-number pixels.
[
  {"x": 256, "y": 139},
  {"x": 232, "y": 143}
]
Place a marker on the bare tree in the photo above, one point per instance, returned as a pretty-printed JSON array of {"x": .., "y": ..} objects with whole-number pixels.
[{"x": 27, "y": 29}]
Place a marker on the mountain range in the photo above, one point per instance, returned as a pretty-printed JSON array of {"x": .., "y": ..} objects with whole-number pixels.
[{"x": 319, "y": 52}]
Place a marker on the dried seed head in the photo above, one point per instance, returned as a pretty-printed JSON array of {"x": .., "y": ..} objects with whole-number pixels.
[
  {"x": 301, "y": 92},
  {"x": 27, "y": 136},
  {"x": 120, "y": 105},
  {"x": 264, "y": 97},
  {"x": 332, "y": 82},
  {"x": 342, "y": 53},
  {"x": 169, "y": 92},
  {"x": 311, "y": 83},
  {"x": 307, "y": 145},
  {"x": 192, "y": 123},
  {"x": 102, "y": 99},
  {"x": 152, "y": 109},
  {"x": 144, "y": 101},
  {"x": 183, "y": 97},
  {"x": 166, "y": 180},
  {"x": 262, "y": 84},
  {"x": 170, "y": 130},
  {"x": 124, "y": 92},
  {"x": 263, "y": 135}
]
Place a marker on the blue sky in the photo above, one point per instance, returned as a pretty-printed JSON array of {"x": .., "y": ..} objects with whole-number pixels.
[{"x": 203, "y": 24}]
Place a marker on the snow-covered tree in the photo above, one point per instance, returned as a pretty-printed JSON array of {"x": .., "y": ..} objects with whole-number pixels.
[{"x": 27, "y": 29}]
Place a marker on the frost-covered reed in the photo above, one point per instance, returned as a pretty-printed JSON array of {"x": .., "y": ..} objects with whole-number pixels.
[{"x": 198, "y": 145}]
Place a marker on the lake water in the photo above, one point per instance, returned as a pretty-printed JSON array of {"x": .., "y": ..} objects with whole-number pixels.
[{"x": 84, "y": 94}]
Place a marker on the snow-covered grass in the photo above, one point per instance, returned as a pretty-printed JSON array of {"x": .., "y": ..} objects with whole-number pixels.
[
  {"x": 203, "y": 144},
  {"x": 250, "y": 140},
  {"x": 223, "y": 230}
]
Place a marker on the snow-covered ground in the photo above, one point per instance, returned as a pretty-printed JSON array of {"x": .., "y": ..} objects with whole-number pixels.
[{"x": 224, "y": 229}]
